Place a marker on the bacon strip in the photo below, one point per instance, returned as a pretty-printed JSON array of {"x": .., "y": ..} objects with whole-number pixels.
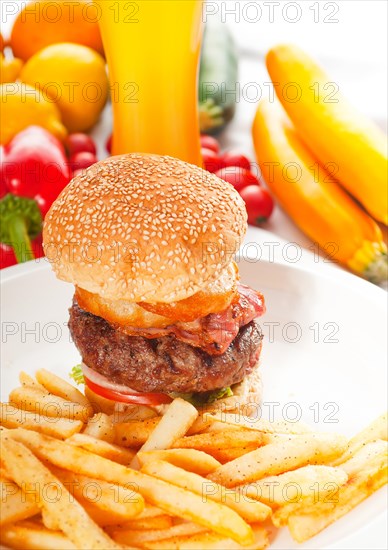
[{"x": 215, "y": 332}]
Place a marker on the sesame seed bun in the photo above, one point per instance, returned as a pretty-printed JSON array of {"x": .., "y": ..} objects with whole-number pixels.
[{"x": 144, "y": 228}]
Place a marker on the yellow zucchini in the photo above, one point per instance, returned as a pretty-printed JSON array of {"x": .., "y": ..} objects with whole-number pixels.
[
  {"x": 316, "y": 203},
  {"x": 341, "y": 138}
]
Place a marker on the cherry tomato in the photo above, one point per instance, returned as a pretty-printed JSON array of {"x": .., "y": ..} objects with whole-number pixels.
[
  {"x": 79, "y": 143},
  {"x": 82, "y": 160},
  {"x": 108, "y": 144},
  {"x": 235, "y": 159},
  {"x": 209, "y": 142},
  {"x": 152, "y": 399},
  {"x": 258, "y": 202},
  {"x": 238, "y": 177},
  {"x": 211, "y": 161}
]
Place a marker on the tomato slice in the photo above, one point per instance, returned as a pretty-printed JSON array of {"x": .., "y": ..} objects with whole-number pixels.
[{"x": 151, "y": 399}]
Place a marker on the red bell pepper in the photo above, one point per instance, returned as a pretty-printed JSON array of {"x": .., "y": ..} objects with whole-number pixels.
[{"x": 34, "y": 170}]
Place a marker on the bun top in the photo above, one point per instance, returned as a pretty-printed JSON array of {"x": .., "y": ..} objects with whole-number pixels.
[{"x": 144, "y": 228}]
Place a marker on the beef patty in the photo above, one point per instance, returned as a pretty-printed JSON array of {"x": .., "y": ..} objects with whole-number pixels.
[{"x": 161, "y": 364}]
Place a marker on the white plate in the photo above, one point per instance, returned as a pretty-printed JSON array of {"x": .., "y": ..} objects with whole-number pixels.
[{"x": 333, "y": 374}]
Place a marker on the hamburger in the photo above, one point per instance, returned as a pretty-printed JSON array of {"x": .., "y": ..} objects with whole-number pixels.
[{"x": 158, "y": 309}]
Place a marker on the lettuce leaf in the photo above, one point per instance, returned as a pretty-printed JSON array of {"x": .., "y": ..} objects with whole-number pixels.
[
  {"x": 205, "y": 398},
  {"x": 77, "y": 375}
]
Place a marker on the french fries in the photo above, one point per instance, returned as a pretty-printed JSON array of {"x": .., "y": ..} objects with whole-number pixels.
[
  {"x": 209, "y": 541},
  {"x": 279, "y": 457},
  {"x": 27, "y": 380},
  {"x": 248, "y": 509},
  {"x": 100, "y": 426},
  {"x": 178, "y": 418},
  {"x": 209, "y": 442},
  {"x": 304, "y": 524},
  {"x": 31, "y": 536},
  {"x": 15, "y": 505},
  {"x": 261, "y": 425},
  {"x": 141, "y": 536},
  {"x": 56, "y": 385},
  {"x": 378, "y": 429},
  {"x": 172, "y": 499},
  {"x": 116, "y": 502},
  {"x": 102, "y": 448},
  {"x": 135, "y": 433},
  {"x": 188, "y": 459},
  {"x": 30, "y": 474},
  {"x": 12, "y": 417},
  {"x": 207, "y": 481},
  {"x": 162, "y": 521},
  {"x": 294, "y": 486},
  {"x": 32, "y": 398}
]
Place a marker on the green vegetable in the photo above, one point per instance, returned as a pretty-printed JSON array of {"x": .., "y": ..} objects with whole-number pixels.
[
  {"x": 218, "y": 75},
  {"x": 205, "y": 398},
  {"x": 21, "y": 221},
  {"x": 77, "y": 375}
]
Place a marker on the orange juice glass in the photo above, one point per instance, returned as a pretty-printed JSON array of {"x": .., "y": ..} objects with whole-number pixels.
[{"x": 152, "y": 49}]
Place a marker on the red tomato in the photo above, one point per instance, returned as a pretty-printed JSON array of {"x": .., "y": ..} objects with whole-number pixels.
[
  {"x": 152, "y": 399},
  {"x": 79, "y": 143},
  {"x": 209, "y": 142},
  {"x": 258, "y": 202},
  {"x": 238, "y": 177},
  {"x": 108, "y": 144},
  {"x": 235, "y": 159},
  {"x": 210, "y": 160},
  {"x": 82, "y": 160}
]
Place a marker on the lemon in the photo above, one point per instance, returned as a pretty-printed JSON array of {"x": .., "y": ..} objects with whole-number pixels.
[
  {"x": 22, "y": 106},
  {"x": 73, "y": 76}
]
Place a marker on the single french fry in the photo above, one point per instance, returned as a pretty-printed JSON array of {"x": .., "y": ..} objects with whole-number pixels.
[
  {"x": 277, "y": 458},
  {"x": 12, "y": 417},
  {"x": 99, "y": 403},
  {"x": 211, "y": 442},
  {"x": 177, "y": 419},
  {"x": 100, "y": 426},
  {"x": 248, "y": 509},
  {"x": 136, "y": 536},
  {"x": 102, "y": 448},
  {"x": 188, "y": 459},
  {"x": 28, "y": 472},
  {"x": 209, "y": 541},
  {"x": 135, "y": 433},
  {"x": 173, "y": 500},
  {"x": 49, "y": 521},
  {"x": 56, "y": 385},
  {"x": 146, "y": 524},
  {"x": 150, "y": 512},
  {"x": 27, "y": 380},
  {"x": 32, "y": 398},
  {"x": 261, "y": 425},
  {"x": 15, "y": 505},
  {"x": 376, "y": 430},
  {"x": 31, "y": 536},
  {"x": 296, "y": 485},
  {"x": 226, "y": 455}
]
